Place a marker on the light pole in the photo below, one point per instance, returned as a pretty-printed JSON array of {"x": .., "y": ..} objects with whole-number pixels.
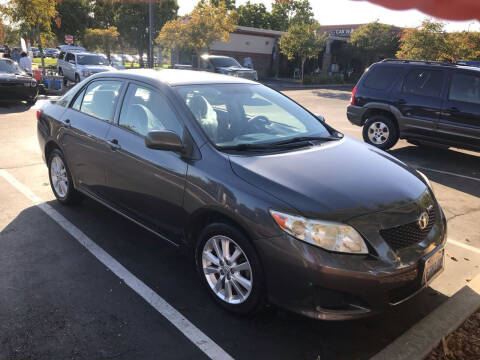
[{"x": 150, "y": 34}]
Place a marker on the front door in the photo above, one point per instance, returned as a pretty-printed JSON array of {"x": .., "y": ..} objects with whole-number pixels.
[
  {"x": 460, "y": 120},
  {"x": 420, "y": 101},
  {"x": 85, "y": 126},
  {"x": 145, "y": 183}
]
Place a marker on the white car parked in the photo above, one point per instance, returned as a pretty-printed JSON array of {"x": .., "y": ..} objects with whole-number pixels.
[{"x": 78, "y": 65}]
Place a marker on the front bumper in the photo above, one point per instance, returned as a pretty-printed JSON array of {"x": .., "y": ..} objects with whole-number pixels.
[
  {"x": 355, "y": 114},
  {"x": 330, "y": 286}
]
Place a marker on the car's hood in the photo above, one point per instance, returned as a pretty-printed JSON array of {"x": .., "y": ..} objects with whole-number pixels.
[
  {"x": 335, "y": 181},
  {"x": 9, "y": 77},
  {"x": 235, "y": 69}
]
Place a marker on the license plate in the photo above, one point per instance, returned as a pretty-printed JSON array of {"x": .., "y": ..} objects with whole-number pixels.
[{"x": 432, "y": 266}]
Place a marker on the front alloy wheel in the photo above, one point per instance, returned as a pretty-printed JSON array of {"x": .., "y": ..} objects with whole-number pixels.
[
  {"x": 227, "y": 269},
  {"x": 230, "y": 268}
]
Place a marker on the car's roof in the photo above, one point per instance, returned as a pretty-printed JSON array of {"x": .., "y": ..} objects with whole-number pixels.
[
  {"x": 176, "y": 77},
  {"x": 428, "y": 64}
]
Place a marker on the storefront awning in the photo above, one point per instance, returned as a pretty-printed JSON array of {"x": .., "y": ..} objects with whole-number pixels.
[{"x": 444, "y": 9}]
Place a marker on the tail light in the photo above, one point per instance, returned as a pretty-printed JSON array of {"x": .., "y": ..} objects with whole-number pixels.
[
  {"x": 39, "y": 113},
  {"x": 352, "y": 97}
]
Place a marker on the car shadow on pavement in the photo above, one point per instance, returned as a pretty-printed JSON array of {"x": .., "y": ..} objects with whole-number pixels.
[
  {"x": 273, "y": 333},
  {"x": 444, "y": 161},
  {"x": 332, "y": 94},
  {"x": 12, "y": 107}
]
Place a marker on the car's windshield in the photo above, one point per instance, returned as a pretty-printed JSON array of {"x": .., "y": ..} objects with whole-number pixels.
[
  {"x": 224, "y": 62},
  {"x": 248, "y": 114},
  {"x": 8, "y": 66},
  {"x": 91, "y": 60}
]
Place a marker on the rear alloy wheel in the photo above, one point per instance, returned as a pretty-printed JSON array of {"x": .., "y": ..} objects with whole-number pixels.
[
  {"x": 61, "y": 180},
  {"x": 230, "y": 269},
  {"x": 380, "y": 131},
  {"x": 60, "y": 73}
]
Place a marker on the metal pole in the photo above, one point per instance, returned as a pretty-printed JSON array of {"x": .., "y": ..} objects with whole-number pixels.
[{"x": 150, "y": 34}]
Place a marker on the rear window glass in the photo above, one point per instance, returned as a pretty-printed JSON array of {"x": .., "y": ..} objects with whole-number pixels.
[
  {"x": 381, "y": 77},
  {"x": 423, "y": 82}
]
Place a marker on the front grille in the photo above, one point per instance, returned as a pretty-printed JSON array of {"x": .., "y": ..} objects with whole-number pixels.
[{"x": 403, "y": 236}]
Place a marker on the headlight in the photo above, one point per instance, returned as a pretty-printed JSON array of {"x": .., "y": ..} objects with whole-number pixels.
[
  {"x": 86, "y": 73},
  {"x": 424, "y": 177},
  {"x": 325, "y": 234}
]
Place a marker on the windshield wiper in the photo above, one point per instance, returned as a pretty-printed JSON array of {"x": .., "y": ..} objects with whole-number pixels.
[
  {"x": 301, "y": 139},
  {"x": 242, "y": 147}
]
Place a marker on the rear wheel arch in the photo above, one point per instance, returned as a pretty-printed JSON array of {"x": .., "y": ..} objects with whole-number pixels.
[
  {"x": 385, "y": 111},
  {"x": 49, "y": 147}
]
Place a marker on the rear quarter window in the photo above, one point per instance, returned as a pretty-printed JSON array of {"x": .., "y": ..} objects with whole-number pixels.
[{"x": 381, "y": 77}]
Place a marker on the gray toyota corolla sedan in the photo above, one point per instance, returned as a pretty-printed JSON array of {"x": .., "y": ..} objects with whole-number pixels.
[{"x": 275, "y": 205}]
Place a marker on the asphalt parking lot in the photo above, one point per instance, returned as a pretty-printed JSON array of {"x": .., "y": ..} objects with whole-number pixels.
[{"x": 84, "y": 283}]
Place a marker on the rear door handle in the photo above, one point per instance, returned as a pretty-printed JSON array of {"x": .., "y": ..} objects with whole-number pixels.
[
  {"x": 454, "y": 109},
  {"x": 114, "y": 145},
  {"x": 67, "y": 124},
  {"x": 401, "y": 101}
]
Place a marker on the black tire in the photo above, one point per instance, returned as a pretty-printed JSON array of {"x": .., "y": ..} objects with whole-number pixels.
[
  {"x": 372, "y": 122},
  {"x": 256, "y": 298},
  {"x": 72, "y": 196},
  {"x": 77, "y": 78},
  {"x": 31, "y": 102}
]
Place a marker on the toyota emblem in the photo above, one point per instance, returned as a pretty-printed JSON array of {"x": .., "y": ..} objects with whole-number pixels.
[{"x": 423, "y": 221}]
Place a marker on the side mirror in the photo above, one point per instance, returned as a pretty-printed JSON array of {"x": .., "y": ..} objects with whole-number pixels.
[
  {"x": 320, "y": 117},
  {"x": 164, "y": 140}
]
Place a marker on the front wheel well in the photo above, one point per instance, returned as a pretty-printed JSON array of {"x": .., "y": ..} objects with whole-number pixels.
[
  {"x": 202, "y": 219},
  {"x": 373, "y": 112}
]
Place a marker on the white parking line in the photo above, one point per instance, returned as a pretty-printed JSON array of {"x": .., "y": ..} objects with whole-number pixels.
[
  {"x": 447, "y": 173},
  {"x": 465, "y": 246},
  {"x": 195, "y": 335}
]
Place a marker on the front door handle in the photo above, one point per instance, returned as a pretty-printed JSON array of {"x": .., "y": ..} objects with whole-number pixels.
[
  {"x": 401, "y": 101},
  {"x": 454, "y": 109},
  {"x": 114, "y": 145},
  {"x": 67, "y": 124}
]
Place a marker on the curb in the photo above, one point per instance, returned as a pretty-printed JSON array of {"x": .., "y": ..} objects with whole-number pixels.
[{"x": 418, "y": 341}]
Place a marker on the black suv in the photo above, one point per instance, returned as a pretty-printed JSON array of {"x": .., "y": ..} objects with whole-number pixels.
[{"x": 422, "y": 102}]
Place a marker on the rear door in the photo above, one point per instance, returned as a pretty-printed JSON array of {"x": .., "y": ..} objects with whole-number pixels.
[
  {"x": 460, "y": 120},
  {"x": 83, "y": 136},
  {"x": 68, "y": 67},
  {"x": 419, "y": 99}
]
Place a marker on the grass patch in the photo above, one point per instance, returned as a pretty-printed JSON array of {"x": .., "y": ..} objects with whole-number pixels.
[{"x": 48, "y": 62}]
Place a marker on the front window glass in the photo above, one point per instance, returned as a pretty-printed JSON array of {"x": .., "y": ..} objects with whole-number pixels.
[
  {"x": 91, "y": 60},
  {"x": 224, "y": 62},
  {"x": 238, "y": 114},
  {"x": 465, "y": 88},
  {"x": 145, "y": 110},
  {"x": 9, "y": 67}
]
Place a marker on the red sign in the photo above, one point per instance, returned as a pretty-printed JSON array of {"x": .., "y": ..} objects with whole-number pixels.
[{"x": 68, "y": 39}]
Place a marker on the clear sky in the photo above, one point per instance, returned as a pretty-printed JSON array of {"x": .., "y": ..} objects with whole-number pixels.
[{"x": 337, "y": 12}]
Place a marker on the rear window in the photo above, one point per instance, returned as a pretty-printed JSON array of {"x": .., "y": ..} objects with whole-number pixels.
[
  {"x": 423, "y": 82},
  {"x": 381, "y": 77},
  {"x": 465, "y": 88}
]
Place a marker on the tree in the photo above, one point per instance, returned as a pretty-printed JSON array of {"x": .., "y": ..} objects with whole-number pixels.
[
  {"x": 74, "y": 18},
  {"x": 196, "y": 32},
  {"x": 254, "y": 15},
  {"x": 462, "y": 46},
  {"x": 2, "y": 32},
  {"x": 375, "y": 41},
  {"x": 288, "y": 12},
  {"x": 34, "y": 14},
  {"x": 12, "y": 35},
  {"x": 428, "y": 42},
  {"x": 105, "y": 13},
  {"x": 302, "y": 41},
  {"x": 104, "y": 39},
  {"x": 133, "y": 22},
  {"x": 230, "y": 4}
]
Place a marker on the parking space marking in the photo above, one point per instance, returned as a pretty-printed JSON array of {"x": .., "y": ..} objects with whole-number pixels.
[
  {"x": 465, "y": 246},
  {"x": 195, "y": 335},
  {"x": 447, "y": 173}
]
